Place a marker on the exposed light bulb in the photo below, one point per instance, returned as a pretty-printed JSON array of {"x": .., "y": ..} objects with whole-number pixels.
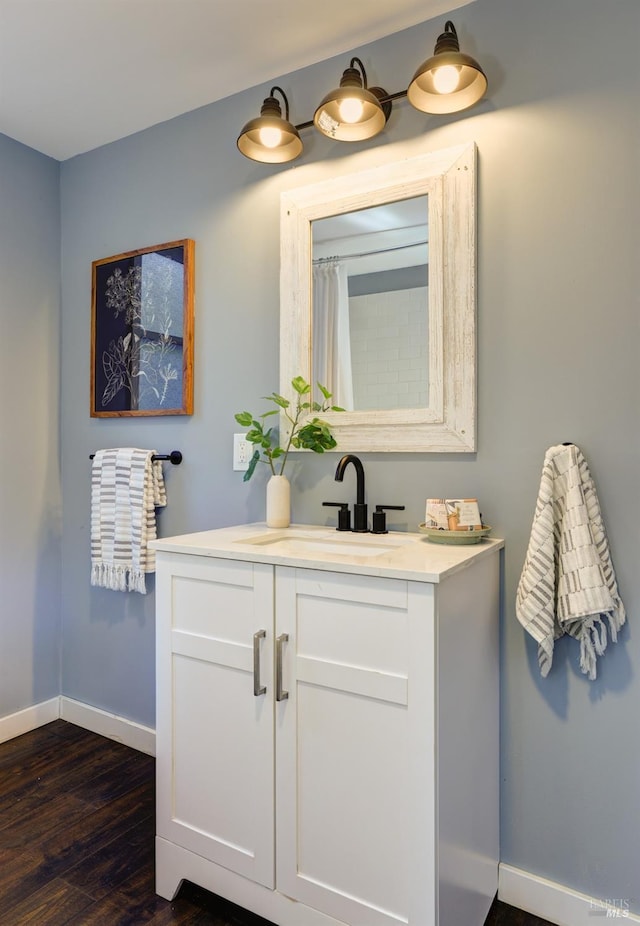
[
  {"x": 351, "y": 110},
  {"x": 446, "y": 78},
  {"x": 270, "y": 136}
]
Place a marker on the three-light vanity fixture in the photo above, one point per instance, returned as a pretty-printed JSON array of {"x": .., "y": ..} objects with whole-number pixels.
[{"x": 447, "y": 82}]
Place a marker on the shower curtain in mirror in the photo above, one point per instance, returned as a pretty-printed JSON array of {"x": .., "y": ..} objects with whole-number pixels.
[{"x": 331, "y": 339}]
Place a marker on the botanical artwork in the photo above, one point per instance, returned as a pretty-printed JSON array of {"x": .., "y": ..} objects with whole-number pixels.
[{"x": 142, "y": 332}]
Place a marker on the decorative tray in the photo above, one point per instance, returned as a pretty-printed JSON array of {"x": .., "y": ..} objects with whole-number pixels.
[{"x": 435, "y": 535}]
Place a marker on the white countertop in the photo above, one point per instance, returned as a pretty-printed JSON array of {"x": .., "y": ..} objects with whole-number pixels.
[{"x": 394, "y": 555}]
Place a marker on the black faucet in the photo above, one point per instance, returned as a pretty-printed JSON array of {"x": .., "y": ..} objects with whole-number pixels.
[{"x": 360, "y": 524}]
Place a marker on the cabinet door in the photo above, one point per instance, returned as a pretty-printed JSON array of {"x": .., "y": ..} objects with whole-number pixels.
[
  {"x": 214, "y": 729},
  {"x": 354, "y": 747}
]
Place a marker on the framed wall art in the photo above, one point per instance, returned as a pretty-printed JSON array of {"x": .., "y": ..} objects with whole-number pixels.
[{"x": 142, "y": 332}]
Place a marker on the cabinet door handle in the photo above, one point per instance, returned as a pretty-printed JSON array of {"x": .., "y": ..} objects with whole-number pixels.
[
  {"x": 258, "y": 689},
  {"x": 281, "y": 694}
]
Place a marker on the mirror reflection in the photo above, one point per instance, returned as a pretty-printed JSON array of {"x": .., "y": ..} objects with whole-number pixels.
[{"x": 370, "y": 305}]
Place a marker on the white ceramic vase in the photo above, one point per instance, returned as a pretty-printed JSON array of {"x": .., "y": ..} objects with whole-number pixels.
[{"x": 278, "y": 502}]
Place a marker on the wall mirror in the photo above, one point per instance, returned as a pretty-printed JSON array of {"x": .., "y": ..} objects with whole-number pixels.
[{"x": 378, "y": 301}]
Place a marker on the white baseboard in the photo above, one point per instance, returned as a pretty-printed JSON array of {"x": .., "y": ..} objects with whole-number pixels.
[
  {"x": 556, "y": 903},
  {"x": 83, "y": 715},
  {"x": 29, "y": 719},
  {"x": 113, "y": 727}
]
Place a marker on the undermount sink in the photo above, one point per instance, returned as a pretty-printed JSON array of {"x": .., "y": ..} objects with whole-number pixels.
[{"x": 292, "y": 543}]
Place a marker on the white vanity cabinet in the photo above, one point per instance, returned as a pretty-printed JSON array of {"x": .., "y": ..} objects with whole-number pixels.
[{"x": 327, "y": 740}]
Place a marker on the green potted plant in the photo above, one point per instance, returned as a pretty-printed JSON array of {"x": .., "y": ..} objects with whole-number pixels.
[{"x": 303, "y": 433}]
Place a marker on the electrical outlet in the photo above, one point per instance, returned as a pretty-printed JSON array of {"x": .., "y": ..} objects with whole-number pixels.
[{"x": 242, "y": 452}]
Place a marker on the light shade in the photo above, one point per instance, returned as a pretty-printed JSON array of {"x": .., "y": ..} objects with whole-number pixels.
[
  {"x": 449, "y": 81},
  {"x": 352, "y": 112},
  {"x": 270, "y": 138}
]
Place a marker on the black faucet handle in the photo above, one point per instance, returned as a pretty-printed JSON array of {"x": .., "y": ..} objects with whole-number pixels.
[
  {"x": 344, "y": 515},
  {"x": 379, "y": 518}
]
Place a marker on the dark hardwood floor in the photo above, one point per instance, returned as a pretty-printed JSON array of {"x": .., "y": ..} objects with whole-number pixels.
[{"x": 77, "y": 839}]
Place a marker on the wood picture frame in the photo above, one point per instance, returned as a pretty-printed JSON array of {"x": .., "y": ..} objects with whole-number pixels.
[{"x": 142, "y": 306}]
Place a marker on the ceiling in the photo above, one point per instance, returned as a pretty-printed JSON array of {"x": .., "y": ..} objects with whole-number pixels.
[{"x": 77, "y": 74}]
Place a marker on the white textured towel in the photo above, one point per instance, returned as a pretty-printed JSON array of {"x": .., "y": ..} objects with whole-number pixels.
[
  {"x": 126, "y": 488},
  {"x": 568, "y": 584}
]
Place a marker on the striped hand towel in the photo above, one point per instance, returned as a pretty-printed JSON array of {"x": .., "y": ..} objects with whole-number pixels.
[
  {"x": 568, "y": 584},
  {"x": 126, "y": 488}
]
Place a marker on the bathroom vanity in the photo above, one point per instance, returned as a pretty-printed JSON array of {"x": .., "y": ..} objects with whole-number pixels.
[{"x": 327, "y": 724}]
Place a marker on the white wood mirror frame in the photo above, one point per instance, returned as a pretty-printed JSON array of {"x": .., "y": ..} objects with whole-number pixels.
[{"x": 448, "y": 423}]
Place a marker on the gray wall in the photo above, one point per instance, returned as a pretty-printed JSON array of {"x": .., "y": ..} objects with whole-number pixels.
[
  {"x": 30, "y": 503},
  {"x": 558, "y": 245}
]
